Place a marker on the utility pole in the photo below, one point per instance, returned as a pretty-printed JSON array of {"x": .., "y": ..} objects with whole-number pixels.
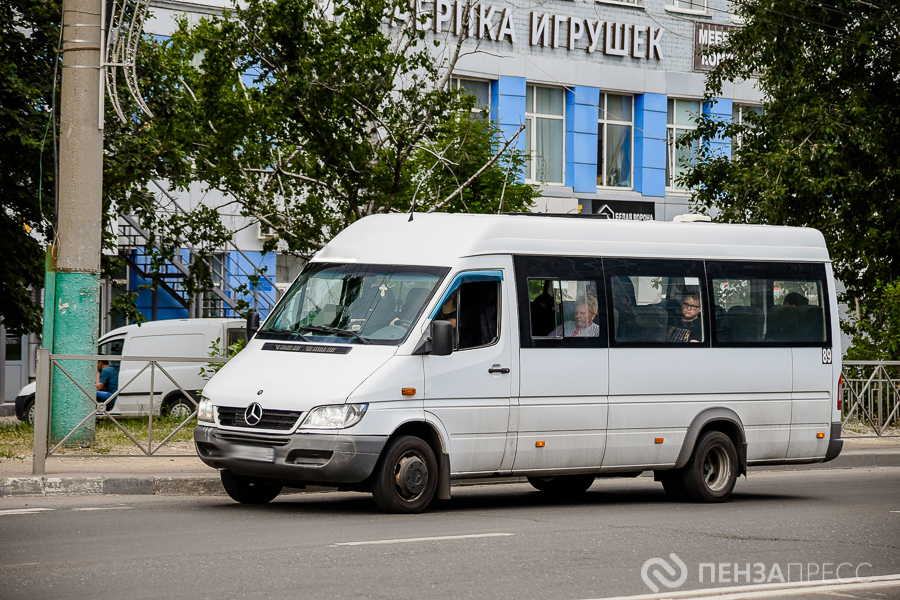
[{"x": 72, "y": 293}]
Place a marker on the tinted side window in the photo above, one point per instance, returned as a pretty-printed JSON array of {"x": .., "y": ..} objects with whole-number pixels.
[
  {"x": 474, "y": 311},
  {"x": 778, "y": 304},
  {"x": 562, "y": 302},
  {"x": 657, "y": 302}
]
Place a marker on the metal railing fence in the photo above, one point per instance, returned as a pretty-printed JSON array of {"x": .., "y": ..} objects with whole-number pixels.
[
  {"x": 870, "y": 394},
  {"x": 49, "y": 366}
]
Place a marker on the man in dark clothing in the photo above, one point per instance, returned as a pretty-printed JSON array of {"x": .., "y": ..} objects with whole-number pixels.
[
  {"x": 107, "y": 383},
  {"x": 689, "y": 326}
]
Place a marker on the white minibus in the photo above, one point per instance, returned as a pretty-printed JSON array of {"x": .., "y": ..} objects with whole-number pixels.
[{"x": 412, "y": 352}]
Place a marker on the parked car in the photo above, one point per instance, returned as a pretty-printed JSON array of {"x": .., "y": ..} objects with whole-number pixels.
[{"x": 183, "y": 338}]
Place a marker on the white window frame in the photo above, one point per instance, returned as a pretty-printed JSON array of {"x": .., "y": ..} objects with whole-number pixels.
[
  {"x": 530, "y": 131},
  {"x": 627, "y": 3},
  {"x": 456, "y": 83},
  {"x": 673, "y": 6},
  {"x": 736, "y": 142},
  {"x": 602, "y": 122},
  {"x": 671, "y": 135}
]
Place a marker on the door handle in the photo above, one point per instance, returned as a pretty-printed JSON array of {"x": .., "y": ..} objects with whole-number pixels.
[{"x": 498, "y": 369}]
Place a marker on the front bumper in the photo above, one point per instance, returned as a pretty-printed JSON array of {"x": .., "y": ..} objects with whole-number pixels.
[{"x": 309, "y": 458}]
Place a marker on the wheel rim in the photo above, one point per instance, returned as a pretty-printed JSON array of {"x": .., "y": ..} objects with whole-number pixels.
[
  {"x": 716, "y": 469},
  {"x": 180, "y": 411},
  {"x": 30, "y": 416},
  {"x": 411, "y": 476}
]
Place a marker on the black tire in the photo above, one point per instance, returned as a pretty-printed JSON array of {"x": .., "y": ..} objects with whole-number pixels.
[
  {"x": 710, "y": 474},
  {"x": 406, "y": 476},
  {"x": 250, "y": 490},
  {"x": 179, "y": 407},
  {"x": 563, "y": 485},
  {"x": 28, "y": 412}
]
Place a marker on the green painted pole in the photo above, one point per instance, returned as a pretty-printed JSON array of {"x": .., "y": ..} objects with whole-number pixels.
[
  {"x": 76, "y": 302},
  {"x": 49, "y": 298}
]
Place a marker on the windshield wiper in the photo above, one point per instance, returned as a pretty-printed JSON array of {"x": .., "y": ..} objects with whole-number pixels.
[
  {"x": 321, "y": 329},
  {"x": 290, "y": 333}
]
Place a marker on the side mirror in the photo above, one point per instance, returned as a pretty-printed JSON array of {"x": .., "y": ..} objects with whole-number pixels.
[
  {"x": 441, "y": 338},
  {"x": 252, "y": 324}
]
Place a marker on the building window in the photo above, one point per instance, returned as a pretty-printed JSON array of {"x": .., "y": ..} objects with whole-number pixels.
[
  {"x": 696, "y": 6},
  {"x": 682, "y": 115},
  {"x": 629, "y": 2},
  {"x": 615, "y": 140},
  {"x": 738, "y": 112},
  {"x": 544, "y": 125},
  {"x": 480, "y": 89}
]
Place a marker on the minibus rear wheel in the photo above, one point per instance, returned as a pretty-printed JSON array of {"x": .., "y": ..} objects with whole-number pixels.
[
  {"x": 563, "y": 485},
  {"x": 250, "y": 490},
  {"x": 710, "y": 474},
  {"x": 406, "y": 476}
]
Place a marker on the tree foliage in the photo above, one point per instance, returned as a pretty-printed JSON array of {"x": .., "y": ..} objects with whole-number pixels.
[
  {"x": 29, "y": 30},
  {"x": 309, "y": 116},
  {"x": 823, "y": 153}
]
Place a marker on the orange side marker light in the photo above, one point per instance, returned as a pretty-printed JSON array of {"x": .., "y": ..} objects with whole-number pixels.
[
  {"x": 540, "y": 444},
  {"x": 820, "y": 435},
  {"x": 660, "y": 440},
  {"x": 408, "y": 391}
]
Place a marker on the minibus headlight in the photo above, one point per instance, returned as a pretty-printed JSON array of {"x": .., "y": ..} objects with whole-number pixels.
[
  {"x": 205, "y": 410},
  {"x": 337, "y": 416}
]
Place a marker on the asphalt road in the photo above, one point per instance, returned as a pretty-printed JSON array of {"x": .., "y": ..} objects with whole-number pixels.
[{"x": 799, "y": 526}]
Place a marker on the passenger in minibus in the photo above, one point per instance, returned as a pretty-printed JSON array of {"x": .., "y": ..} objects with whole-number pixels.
[
  {"x": 583, "y": 323},
  {"x": 796, "y": 299},
  {"x": 688, "y": 327},
  {"x": 543, "y": 316},
  {"x": 448, "y": 311}
]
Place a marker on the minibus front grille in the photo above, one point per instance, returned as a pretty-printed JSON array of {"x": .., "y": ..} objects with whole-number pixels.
[{"x": 277, "y": 420}]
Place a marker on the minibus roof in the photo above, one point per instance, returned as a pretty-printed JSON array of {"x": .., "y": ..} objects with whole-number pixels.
[{"x": 442, "y": 239}]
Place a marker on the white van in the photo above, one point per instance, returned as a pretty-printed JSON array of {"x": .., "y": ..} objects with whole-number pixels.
[
  {"x": 188, "y": 338},
  {"x": 183, "y": 338},
  {"x": 413, "y": 352}
]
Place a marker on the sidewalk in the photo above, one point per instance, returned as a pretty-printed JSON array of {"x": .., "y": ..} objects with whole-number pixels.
[{"x": 188, "y": 476}]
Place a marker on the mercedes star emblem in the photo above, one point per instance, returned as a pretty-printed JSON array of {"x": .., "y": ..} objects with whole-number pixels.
[{"x": 253, "y": 414}]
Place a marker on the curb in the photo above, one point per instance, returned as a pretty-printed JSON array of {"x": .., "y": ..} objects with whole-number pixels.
[
  {"x": 211, "y": 485},
  {"x": 105, "y": 486}
]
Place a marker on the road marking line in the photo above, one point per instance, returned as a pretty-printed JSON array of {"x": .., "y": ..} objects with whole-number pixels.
[
  {"x": 103, "y": 508},
  {"x": 23, "y": 511},
  {"x": 772, "y": 590},
  {"x": 424, "y": 539}
]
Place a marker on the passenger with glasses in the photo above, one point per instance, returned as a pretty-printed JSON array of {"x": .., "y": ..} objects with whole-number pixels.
[{"x": 688, "y": 327}]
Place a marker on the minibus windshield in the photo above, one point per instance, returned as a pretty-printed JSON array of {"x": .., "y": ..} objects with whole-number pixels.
[{"x": 353, "y": 303}]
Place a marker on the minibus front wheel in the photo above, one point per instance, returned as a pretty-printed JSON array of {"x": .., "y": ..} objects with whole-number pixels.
[
  {"x": 249, "y": 490},
  {"x": 406, "y": 476}
]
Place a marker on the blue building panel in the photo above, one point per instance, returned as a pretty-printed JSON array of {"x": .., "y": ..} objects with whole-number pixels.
[
  {"x": 241, "y": 267},
  {"x": 508, "y": 111},
  {"x": 581, "y": 138},
  {"x": 650, "y": 144},
  {"x": 721, "y": 110}
]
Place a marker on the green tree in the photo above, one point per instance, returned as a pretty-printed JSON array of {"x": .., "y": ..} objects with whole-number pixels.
[
  {"x": 309, "y": 119},
  {"x": 29, "y": 30},
  {"x": 823, "y": 153}
]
